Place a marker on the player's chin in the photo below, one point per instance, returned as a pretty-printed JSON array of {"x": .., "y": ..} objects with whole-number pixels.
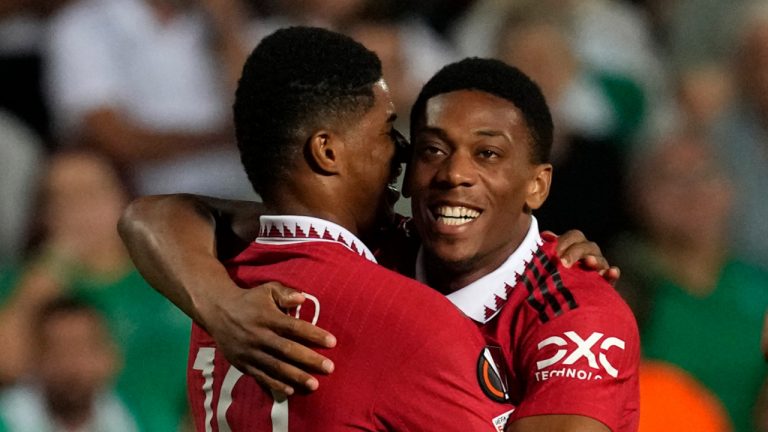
[{"x": 448, "y": 252}]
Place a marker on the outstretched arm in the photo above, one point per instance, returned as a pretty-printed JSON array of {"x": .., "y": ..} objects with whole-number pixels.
[{"x": 175, "y": 242}]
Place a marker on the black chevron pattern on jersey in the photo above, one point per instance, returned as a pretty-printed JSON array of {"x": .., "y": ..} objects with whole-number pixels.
[{"x": 546, "y": 283}]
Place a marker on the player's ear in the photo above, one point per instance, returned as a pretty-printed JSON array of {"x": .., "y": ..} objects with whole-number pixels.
[
  {"x": 538, "y": 186},
  {"x": 322, "y": 151}
]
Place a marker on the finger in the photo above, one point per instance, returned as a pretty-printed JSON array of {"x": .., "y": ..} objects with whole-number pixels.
[
  {"x": 588, "y": 252},
  {"x": 267, "y": 381},
  {"x": 297, "y": 354},
  {"x": 596, "y": 262},
  {"x": 612, "y": 275},
  {"x": 278, "y": 370},
  {"x": 297, "y": 329},
  {"x": 287, "y": 297},
  {"x": 568, "y": 239}
]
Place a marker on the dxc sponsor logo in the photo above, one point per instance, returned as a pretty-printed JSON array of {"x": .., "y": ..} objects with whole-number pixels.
[{"x": 584, "y": 348}]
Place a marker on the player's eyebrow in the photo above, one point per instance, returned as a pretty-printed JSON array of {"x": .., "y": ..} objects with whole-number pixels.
[
  {"x": 492, "y": 133},
  {"x": 440, "y": 133}
]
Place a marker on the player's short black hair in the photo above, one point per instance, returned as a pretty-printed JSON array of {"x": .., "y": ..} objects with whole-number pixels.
[
  {"x": 499, "y": 79},
  {"x": 297, "y": 79}
]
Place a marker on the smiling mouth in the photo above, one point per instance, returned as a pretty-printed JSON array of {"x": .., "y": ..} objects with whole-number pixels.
[{"x": 455, "y": 215}]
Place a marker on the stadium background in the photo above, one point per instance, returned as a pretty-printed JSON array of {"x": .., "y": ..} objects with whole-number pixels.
[{"x": 661, "y": 156}]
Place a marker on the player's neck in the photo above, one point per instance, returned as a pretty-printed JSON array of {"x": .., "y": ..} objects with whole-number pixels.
[
  {"x": 323, "y": 197},
  {"x": 448, "y": 277},
  {"x": 311, "y": 208}
]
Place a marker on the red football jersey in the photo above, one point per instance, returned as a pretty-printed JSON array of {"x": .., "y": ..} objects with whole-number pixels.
[
  {"x": 406, "y": 359},
  {"x": 569, "y": 343}
]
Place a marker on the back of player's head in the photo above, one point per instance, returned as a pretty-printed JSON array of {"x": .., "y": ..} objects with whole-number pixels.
[
  {"x": 501, "y": 80},
  {"x": 297, "y": 80}
]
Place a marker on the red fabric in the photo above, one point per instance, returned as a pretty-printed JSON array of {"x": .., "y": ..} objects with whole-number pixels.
[
  {"x": 406, "y": 359},
  {"x": 576, "y": 321}
]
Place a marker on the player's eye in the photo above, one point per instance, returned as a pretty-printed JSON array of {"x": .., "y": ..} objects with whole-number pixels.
[{"x": 430, "y": 150}]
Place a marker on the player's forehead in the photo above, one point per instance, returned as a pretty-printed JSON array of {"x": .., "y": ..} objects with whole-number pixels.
[
  {"x": 471, "y": 114},
  {"x": 470, "y": 105}
]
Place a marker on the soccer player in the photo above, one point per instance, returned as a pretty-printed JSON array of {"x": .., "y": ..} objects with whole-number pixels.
[
  {"x": 310, "y": 106},
  {"x": 482, "y": 136},
  {"x": 482, "y": 133}
]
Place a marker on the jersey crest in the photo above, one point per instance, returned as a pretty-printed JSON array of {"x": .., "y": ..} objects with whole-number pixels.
[{"x": 491, "y": 374}]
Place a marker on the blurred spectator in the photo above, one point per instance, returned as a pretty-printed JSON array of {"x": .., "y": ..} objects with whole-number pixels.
[
  {"x": 698, "y": 307},
  {"x": 316, "y": 13},
  {"x": 607, "y": 35},
  {"x": 150, "y": 82},
  {"x": 22, "y": 34},
  {"x": 615, "y": 36},
  {"x": 703, "y": 94},
  {"x": 20, "y": 155},
  {"x": 24, "y": 116},
  {"x": 585, "y": 101},
  {"x": 698, "y": 32},
  {"x": 73, "y": 366},
  {"x": 741, "y": 137},
  {"x": 595, "y": 114},
  {"x": 386, "y": 24},
  {"x": 440, "y": 14},
  {"x": 79, "y": 253}
]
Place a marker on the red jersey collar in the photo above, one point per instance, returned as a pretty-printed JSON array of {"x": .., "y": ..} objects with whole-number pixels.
[
  {"x": 301, "y": 229},
  {"x": 481, "y": 300}
]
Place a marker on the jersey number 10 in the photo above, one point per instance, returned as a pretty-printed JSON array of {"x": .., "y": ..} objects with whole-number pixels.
[{"x": 204, "y": 363}]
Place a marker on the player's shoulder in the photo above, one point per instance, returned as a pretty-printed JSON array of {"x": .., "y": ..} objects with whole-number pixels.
[
  {"x": 572, "y": 313},
  {"x": 417, "y": 297},
  {"x": 586, "y": 286},
  {"x": 553, "y": 295}
]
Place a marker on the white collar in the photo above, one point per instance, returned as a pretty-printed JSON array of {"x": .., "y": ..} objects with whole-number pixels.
[
  {"x": 301, "y": 229},
  {"x": 482, "y": 299}
]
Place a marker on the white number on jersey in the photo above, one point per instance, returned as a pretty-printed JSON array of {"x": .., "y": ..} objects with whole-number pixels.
[{"x": 204, "y": 363}]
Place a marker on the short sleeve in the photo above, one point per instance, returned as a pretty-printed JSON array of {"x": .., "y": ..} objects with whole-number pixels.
[{"x": 583, "y": 362}]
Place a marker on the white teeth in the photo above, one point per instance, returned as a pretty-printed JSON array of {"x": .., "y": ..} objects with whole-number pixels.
[{"x": 455, "y": 215}]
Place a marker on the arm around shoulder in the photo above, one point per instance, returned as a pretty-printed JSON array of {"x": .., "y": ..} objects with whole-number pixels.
[{"x": 172, "y": 240}]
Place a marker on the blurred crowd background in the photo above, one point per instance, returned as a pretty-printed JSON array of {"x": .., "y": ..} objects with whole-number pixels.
[{"x": 661, "y": 156}]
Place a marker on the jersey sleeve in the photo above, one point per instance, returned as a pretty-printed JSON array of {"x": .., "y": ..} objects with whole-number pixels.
[
  {"x": 437, "y": 387},
  {"x": 583, "y": 362}
]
